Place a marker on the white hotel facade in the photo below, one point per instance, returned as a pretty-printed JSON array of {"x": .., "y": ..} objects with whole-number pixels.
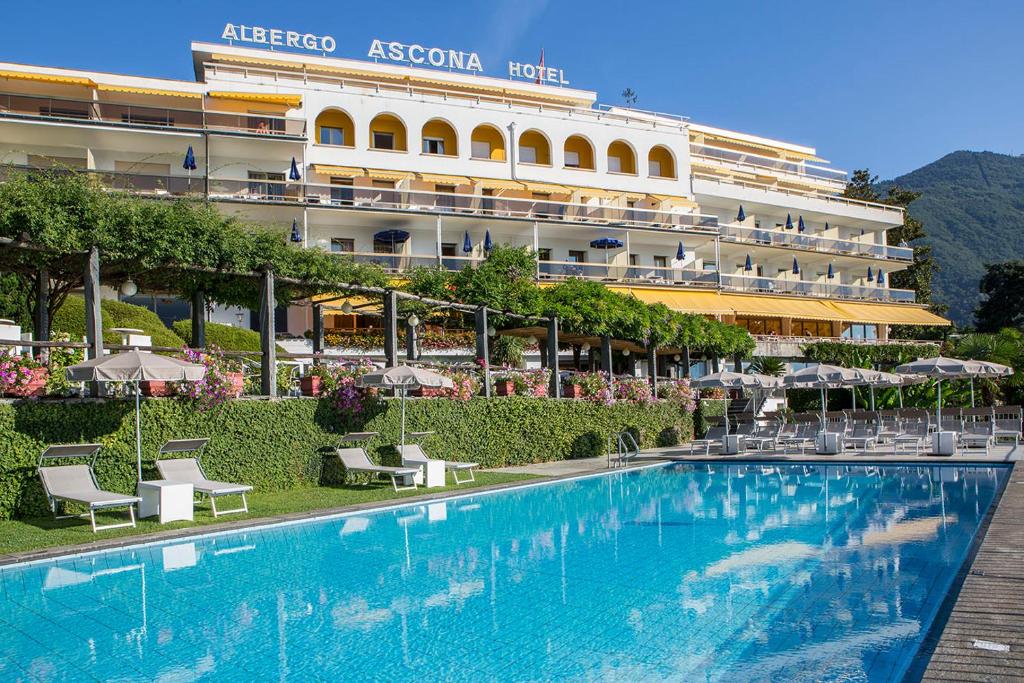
[{"x": 402, "y": 165}]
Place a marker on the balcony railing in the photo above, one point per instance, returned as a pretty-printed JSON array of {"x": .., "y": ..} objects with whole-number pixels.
[
  {"x": 137, "y": 116},
  {"x": 792, "y": 239},
  {"x": 753, "y": 163},
  {"x": 400, "y": 263},
  {"x": 768, "y": 285},
  {"x": 659, "y": 275},
  {"x": 457, "y": 204}
]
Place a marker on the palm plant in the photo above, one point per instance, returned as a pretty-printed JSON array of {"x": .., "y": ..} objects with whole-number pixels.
[{"x": 767, "y": 365}]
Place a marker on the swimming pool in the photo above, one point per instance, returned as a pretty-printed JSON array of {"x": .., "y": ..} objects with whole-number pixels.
[{"x": 684, "y": 572}]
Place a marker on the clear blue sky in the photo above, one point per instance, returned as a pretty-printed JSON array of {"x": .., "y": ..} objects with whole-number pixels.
[{"x": 887, "y": 84}]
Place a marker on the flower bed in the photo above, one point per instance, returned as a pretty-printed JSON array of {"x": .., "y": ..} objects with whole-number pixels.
[{"x": 21, "y": 376}]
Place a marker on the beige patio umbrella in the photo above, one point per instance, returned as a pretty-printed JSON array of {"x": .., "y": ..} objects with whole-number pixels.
[
  {"x": 822, "y": 377},
  {"x": 942, "y": 368},
  {"x": 134, "y": 367},
  {"x": 404, "y": 377},
  {"x": 725, "y": 380}
]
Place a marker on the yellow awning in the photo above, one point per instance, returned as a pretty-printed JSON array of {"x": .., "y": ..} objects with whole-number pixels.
[
  {"x": 444, "y": 179},
  {"x": 673, "y": 199},
  {"x": 709, "y": 137},
  {"x": 105, "y": 87},
  {"x": 498, "y": 184},
  {"x": 594, "y": 192},
  {"x": 346, "y": 171},
  {"x": 703, "y": 303},
  {"x": 48, "y": 78},
  {"x": 382, "y": 174},
  {"x": 545, "y": 187},
  {"x": 292, "y": 101},
  {"x": 253, "y": 60},
  {"x": 360, "y": 304},
  {"x": 889, "y": 314}
]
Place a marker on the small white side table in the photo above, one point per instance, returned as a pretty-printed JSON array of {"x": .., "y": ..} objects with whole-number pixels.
[
  {"x": 433, "y": 473},
  {"x": 171, "y": 500},
  {"x": 943, "y": 443},
  {"x": 733, "y": 444},
  {"x": 829, "y": 443}
]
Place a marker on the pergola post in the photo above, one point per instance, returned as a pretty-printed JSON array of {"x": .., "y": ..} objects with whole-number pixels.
[
  {"x": 543, "y": 349},
  {"x": 42, "y": 316},
  {"x": 198, "y": 319},
  {"x": 391, "y": 329},
  {"x": 318, "y": 331},
  {"x": 652, "y": 367},
  {"x": 482, "y": 352},
  {"x": 606, "y": 357},
  {"x": 714, "y": 363},
  {"x": 686, "y": 361},
  {"x": 268, "y": 357},
  {"x": 737, "y": 363},
  {"x": 554, "y": 383},
  {"x": 631, "y": 364}
]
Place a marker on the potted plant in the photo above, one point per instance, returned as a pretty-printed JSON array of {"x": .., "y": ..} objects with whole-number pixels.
[
  {"x": 21, "y": 376},
  {"x": 314, "y": 382},
  {"x": 572, "y": 387},
  {"x": 504, "y": 384}
]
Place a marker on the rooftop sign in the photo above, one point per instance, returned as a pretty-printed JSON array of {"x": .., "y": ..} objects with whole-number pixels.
[
  {"x": 417, "y": 55},
  {"x": 275, "y": 37}
]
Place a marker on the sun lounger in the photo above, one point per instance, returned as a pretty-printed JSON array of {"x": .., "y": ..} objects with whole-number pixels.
[
  {"x": 1007, "y": 423},
  {"x": 355, "y": 461},
  {"x": 803, "y": 436},
  {"x": 189, "y": 470},
  {"x": 714, "y": 436},
  {"x": 914, "y": 434},
  {"x": 77, "y": 484},
  {"x": 413, "y": 456},
  {"x": 764, "y": 435}
]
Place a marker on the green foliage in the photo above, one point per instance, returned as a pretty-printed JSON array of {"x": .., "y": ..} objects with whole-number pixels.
[
  {"x": 70, "y": 318},
  {"x": 506, "y": 350},
  {"x": 1002, "y": 297},
  {"x": 880, "y": 355},
  {"x": 1005, "y": 347},
  {"x": 224, "y": 337},
  {"x": 767, "y": 365},
  {"x": 278, "y": 445},
  {"x": 15, "y": 293},
  {"x": 971, "y": 204},
  {"x": 505, "y": 281}
]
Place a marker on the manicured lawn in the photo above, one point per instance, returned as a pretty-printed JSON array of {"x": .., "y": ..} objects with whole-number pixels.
[{"x": 33, "y": 534}]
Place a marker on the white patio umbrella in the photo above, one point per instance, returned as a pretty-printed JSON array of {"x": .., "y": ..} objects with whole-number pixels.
[
  {"x": 404, "y": 377},
  {"x": 990, "y": 369},
  {"x": 876, "y": 378},
  {"x": 134, "y": 367},
  {"x": 725, "y": 380},
  {"x": 822, "y": 377},
  {"x": 942, "y": 368}
]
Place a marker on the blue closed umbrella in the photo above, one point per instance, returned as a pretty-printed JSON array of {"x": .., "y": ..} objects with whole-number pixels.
[
  {"x": 831, "y": 274},
  {"x": 606, "y": 243},
  {"x": 296, "y": 235},
  {"x": 467, "y": 244},
  {"x": 392, "y": 236},
  {"x": 826, "y": 226},
  {"x": 190, "y": 160},
  {"x": 871, "y": 275},
  {"x": 796, "y": 267},
  {"x": 789, "y": 222},
  {"x": 881, "y": 278},
  {"x": 681, "y": 251},
  {"x": 488, "y": 244},
  {"x": 740, "y": 217},
  {"x": 748, "y": 266},
  {"x": 293, "y": 174},
  {"x": 800, "y": 224}
]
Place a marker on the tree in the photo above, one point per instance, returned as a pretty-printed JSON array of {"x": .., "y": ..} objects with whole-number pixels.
[
  {"x": 177, "y": 246},
  {"x": 918, "y": 276},
  {"x": 1002, "y": 290},
  {"x": 1006, "y": 347}
]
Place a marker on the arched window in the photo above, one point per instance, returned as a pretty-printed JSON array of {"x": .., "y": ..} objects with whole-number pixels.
[
  {"x": 439, "y": 138},
  {"x": 660, "y": 163},
  {"x": 621, "y": 158},
  {"x": 488, "y": 143},
  {"x": 334, "y": 127},
  {"x": 534, "y": 148},
  {"x": 579, "y": 153},
  {"x": 387, "y": 132}
]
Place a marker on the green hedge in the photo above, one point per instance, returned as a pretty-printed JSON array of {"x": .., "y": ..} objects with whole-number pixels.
[
  {"x": 280, "y": 444},
  {"x": 225, "y": 337},
  {"x": 70, "y": 318}
]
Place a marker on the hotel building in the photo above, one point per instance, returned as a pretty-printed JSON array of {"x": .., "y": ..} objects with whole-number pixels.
[{"x": 408, "y": 166}]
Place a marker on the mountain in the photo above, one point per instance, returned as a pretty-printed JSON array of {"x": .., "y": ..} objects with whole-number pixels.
[{"x": 972, "y": 207}]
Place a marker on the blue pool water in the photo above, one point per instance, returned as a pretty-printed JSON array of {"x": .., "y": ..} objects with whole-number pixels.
[{"x": 722, "y": 572}]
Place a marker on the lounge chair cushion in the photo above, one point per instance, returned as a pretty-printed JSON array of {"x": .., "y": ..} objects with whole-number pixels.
[
  {"x": 356, "y": 460},
  {"x": 188, "y": 470},
  {"x": 75, "y": 483},
  {"x": 414, "y": 454}
]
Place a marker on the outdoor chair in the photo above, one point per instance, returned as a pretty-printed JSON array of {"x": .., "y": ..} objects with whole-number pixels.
[
  {"x": 413, "y": 456},
  {"x": 713, "y": 436},
  {"x": 914, "y": 434},
  {"x": 764, "y": 435},
  {"x": 355, "y": 461},
  {"x": 1007, "y": 423},
  {"x": 888, "y": 426},
  {"x": 804, "y": 436},
  {"x": 77, "y": 484},
  {"x": 978, "y": 429},
  {"x": 190, "y": 470}
]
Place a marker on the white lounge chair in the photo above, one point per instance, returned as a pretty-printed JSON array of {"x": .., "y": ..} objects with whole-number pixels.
[
  {"x": 914, "y": 434},
  {"x": 355, "y": 461},
  {"x": 713, "y": 436},
  {"x": 77, "y": 484},
  {"x": 189, "y": 470},
  {"x": 413, "y": 456}
]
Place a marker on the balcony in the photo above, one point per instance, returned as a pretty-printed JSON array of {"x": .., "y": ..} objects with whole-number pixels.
[
  {"x": 400, "y": 263},
  {"x": 646, "y": 275},
  {"x": 767, "y": 285},
  {"x": 795, "y": 240},
  {"x": 440, "y": 203},
  {"x": 103, "y": 113},
  {"x": 732, "y": 160}
]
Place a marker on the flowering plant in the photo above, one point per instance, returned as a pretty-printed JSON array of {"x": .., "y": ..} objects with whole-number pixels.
[
  {"x": 15, "y": 370},
  {"x": 348, "y": 398},
  {"x": 527, "y": 382},
  {"x": 594, "y": 386},
  {"x": 716, "y": 393},
  {"x": 467, "y": 384},
  {"x": 633, "y": 390},
  {"x": 680, "y": 391},
  {"x": 60, "y": 358},
  {"x": 215, "y": 387}
]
